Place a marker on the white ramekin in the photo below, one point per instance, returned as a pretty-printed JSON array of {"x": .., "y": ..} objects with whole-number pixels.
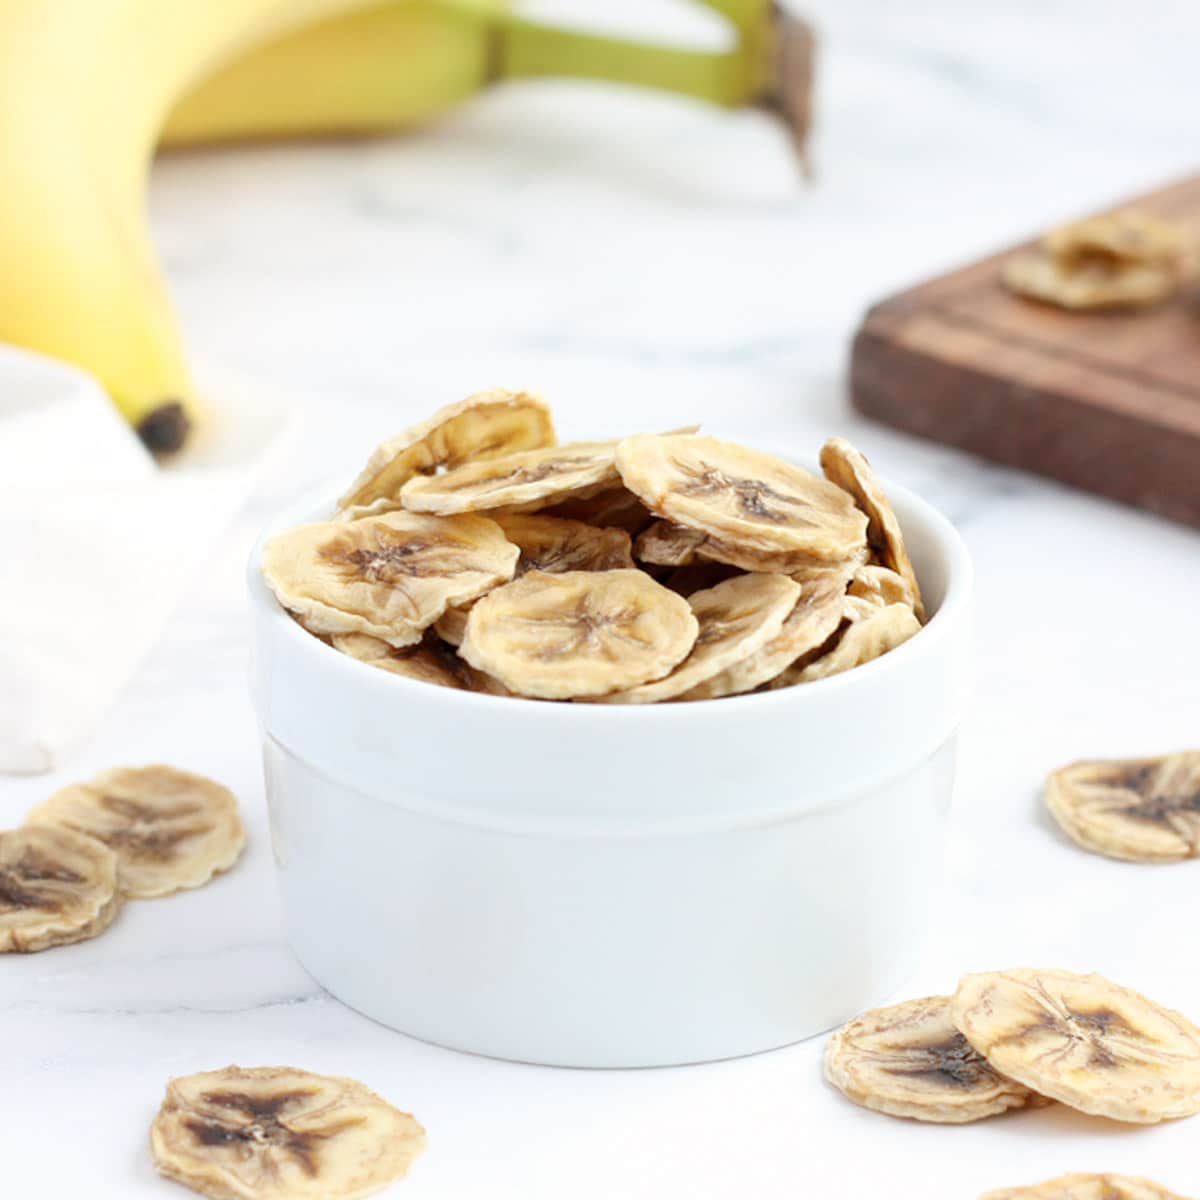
[{"x": 598, "y": 885}]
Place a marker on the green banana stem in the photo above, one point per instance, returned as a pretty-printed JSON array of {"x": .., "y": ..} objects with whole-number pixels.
[
  {"x": 526, "y": 49},
  {"x": 770, "y": 63}
]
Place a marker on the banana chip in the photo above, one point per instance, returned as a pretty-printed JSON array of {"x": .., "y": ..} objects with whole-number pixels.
[
  {"x": 56, "y": 887},
  {"x": 614, "y": 508},
  {"x": 390, "y": 576},
  {"x": 849, "y": 470},
  {"x": 430, "y": 661},
  {"x": 1139, "y": 809},
  {"x": 908, "y": 1060},
  {"x": 737, "y": 618},
  {"x": 277, "y": 1133},
  {"x": 667, "y": 545},
  {"x": 741, "y": 496},
  {"x": 486, "y": 425},
  {"x": 1128, "y": 236},
  {"x": 1094, "y": 1045},
  {"x": 169, "y": 829},
  {"x": 451, "y": 626},
  {"x": 1091, "y": 284},
  {"x": 518, "y": 482},
  {"x": 579, "y": 634},
  {"x": 881, "y": 586},
  {"x": 1087, "y": 1187},
  {"x": 555, "y": 544},
  {"x": 870, "y": 637},
  {"x": 813, "y": 620}
]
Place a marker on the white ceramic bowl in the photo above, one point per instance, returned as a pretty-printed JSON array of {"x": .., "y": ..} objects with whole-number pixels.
[{"x": 599, "y": 885}]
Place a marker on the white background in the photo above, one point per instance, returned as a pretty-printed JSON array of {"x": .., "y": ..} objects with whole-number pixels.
[{"x": 643, "y": 260}]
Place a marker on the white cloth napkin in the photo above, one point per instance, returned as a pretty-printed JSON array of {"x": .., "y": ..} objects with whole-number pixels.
[{"x": 96, "y": 544}]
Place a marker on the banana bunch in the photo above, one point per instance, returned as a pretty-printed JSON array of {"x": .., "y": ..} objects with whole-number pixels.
[{"x": 90, "y": 88}]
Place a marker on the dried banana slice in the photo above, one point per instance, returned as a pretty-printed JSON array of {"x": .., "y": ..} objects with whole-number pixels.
[
  {"x": 814, "y": 618},
  {"x": 908, "y": 1060},
  {"x": 556, "y": 545},
  {"x": 848, "y": 469},
  {"x": 56, "y": 887},
  {"x": 1094, "y": 1045},
  {"x": 614, "y": 508},
  {"x": 1091, "y": 284},
  {"x": 553, "y": 544},
  {"x": 881, "y": 585},
  {"x": 430, "y": 661},
  {"x": 667, "y": 545},
  {"x": 579, "y": 634},
  {"x": 1087, "y": 1187},
  {"x": 390, "y": 576},
  {"x": 737, "y": 618},
  {"x": 863, "y": 640},
  {"x": 277, "y": 1133},
  {"x": 741, "y": 496},
  {"x": 517, "y": 482},
  {"x": 486, "y": 425},
  {"x": 451, "y": 626},
  {"x": 1139, "y": 810},
  {"x": 169, "y": 829},
  {"x": 1128, "y": 236}
]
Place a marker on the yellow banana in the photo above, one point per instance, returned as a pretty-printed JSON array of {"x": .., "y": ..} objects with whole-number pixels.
[{"x": 87, "y": 87}]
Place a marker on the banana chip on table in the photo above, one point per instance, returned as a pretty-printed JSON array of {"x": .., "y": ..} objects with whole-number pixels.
[
  {"x": 1087, "y": 1187},
  {"x": 429, "y": 661},
  {"x": 277, "y": 1133},
  {"x": 1140, "y": 809},
  {"x": 579, "y": 634},
  {"x": 737, "y": 618},
  {"x": 848, "y": 469},
  {"x": 517, "y": 483},
  {"x": 872, "y": 635},
  {"x": 741, "y": 496},
  {"x": 486, "y": 425},
  {"x": 169, "y": 829},
  {"x": 390, "y": 576},
  {"x": 1089, "y": 285},
  {"x": 56, "y": 887},
  {"x": 908, "y": 1060},
  {"x": 1096, "y": 1046}
]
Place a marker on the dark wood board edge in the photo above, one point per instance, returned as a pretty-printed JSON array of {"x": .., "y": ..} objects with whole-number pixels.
[{"x": 1045, "y": 430}]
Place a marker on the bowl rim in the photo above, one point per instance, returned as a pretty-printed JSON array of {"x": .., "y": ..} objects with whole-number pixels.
[{"x": 954, "y": 605}]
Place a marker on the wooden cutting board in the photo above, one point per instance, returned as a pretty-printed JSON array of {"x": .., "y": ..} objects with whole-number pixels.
[{"x": 1109, "y": 402}]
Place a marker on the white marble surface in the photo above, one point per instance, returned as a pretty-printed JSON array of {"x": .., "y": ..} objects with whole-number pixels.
[{"x": 646, "y": 261}]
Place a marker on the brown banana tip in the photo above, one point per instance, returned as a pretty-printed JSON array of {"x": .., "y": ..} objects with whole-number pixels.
[
  {"x": 789, "y": 92},
  {"x": 165, "y": 429}
]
